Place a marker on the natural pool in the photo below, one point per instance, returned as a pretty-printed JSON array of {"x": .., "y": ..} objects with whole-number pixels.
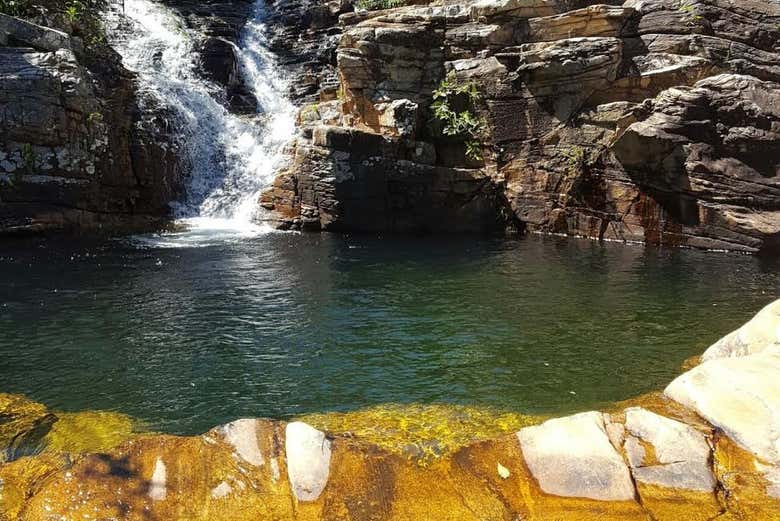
[{"x": 283, "y": 325}]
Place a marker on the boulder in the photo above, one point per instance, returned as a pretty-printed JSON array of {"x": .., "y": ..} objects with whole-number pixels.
[
  {"x": 308, "y": 460},
  {"x": 680, "y": 456},
  {"x": 15, "y": 32},
  {"x": 573, "y": 457},
  {"x": 740, "y": 396},
  {"x": 760, "y": 333}
]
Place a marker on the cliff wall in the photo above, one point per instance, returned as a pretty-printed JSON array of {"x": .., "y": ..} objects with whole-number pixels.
[{"x": 653, "y": 121}]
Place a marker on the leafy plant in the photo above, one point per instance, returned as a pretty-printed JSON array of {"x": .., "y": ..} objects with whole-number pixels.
[
  {"x": 94, "y": 118},
  {"x": 375, "y": 5},
  {"x": 73, "y": 11},
  {"x": 460, "y": 122},
  {"x": 575, "y": 157},
  {"x": 689, "y": 11},
  {"x": 310, "y": 111}
]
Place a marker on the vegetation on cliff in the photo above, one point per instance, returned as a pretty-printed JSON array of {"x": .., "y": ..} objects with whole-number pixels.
[{"x": 454, "y": 106}]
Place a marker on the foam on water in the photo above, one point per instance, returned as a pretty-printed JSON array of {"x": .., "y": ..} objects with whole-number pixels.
[{"x": 230, "y": 158}]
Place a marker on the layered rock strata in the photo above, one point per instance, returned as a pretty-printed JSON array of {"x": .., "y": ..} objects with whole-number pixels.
[
  {"x": 707, "y": 449},
  {"x": 75, "y": 152},
  {"x": 653, "y": 121}
]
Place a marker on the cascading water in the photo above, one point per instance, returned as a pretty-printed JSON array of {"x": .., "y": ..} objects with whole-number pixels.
[{"x": 230, "y": 158}]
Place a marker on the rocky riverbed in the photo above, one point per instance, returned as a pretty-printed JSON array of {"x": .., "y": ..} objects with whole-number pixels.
[{"x": 704, "y": 449}]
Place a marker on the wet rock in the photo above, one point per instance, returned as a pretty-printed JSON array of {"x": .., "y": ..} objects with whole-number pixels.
[
  {"x": 89, "y": 431},
  {"x": 15, "y": 32},
  {"x": 21, "y": 479},
  {"x": 573, "y": 457},
  {"x": 760, "y": 333},
  {"x": 740, "y": 396},
  {"x": 218, "y": 61},
  {"x": 748, "y": 484},
  {"x": 308, "y": 460},
  {"x": 23, "y": 425},
  {"x": 680, "y": 458},
  {"x": 169, "y": 477}
]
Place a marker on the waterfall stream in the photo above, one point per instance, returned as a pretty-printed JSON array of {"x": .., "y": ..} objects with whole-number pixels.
[{"x": 230, "y": 158}]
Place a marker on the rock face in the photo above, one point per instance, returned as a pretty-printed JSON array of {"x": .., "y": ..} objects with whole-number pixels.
[
  {"x": 653, "y": 121},
  {"x": 68, "y": 155}
]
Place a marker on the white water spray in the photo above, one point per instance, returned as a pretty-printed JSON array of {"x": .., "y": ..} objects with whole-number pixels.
[{"x": 230, "y": 158}]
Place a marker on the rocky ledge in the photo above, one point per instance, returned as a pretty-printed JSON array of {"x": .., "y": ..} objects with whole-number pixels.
[
  {"x": 705, "y": 449},
  {"x": 654, "y": 121},
  {"x": 75, "y": 150}
]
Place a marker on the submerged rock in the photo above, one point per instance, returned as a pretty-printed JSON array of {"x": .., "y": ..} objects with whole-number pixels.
[
  {"x": 23, "y": 426},
  {"x": 420, "y": 432}
]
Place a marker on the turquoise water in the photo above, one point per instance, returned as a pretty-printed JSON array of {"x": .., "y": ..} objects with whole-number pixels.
[{"x": 284, "y": 324}]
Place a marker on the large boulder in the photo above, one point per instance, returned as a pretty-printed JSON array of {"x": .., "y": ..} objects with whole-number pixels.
[
  {"x": 573, "y": 457},
  {"x": 740, "y": 396},
  {"x": 759, "y": 334}
]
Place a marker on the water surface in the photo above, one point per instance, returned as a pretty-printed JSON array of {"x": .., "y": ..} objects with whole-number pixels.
[{"x": 285, "y": 324}]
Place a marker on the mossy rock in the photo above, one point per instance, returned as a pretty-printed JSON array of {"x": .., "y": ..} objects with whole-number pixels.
[
  {"x": 23, "y": 424},
  {"x": 89, "y": 432}
]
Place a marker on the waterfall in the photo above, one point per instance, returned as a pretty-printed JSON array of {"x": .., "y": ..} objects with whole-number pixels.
[{"x": 230, "y": 158}]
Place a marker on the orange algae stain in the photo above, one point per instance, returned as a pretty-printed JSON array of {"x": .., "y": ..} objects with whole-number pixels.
[
  {"x": 669, "y": 504},
  {"x": 660, "y": 404},
  {"x": 521, "y": 494},
  {"x": 21, "y": 478},
  {"x": 745, "y": 487},
  {"x": 690, "y": 363},
  {"x": 164, "y": 477},
  {"x": 421, "y": 432}
]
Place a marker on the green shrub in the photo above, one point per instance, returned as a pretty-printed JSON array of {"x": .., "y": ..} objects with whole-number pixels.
[
  {"x": 376, "y": 5},
  {"x": 463, "y": 121},
  {"x": 688, "y": 10}
]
